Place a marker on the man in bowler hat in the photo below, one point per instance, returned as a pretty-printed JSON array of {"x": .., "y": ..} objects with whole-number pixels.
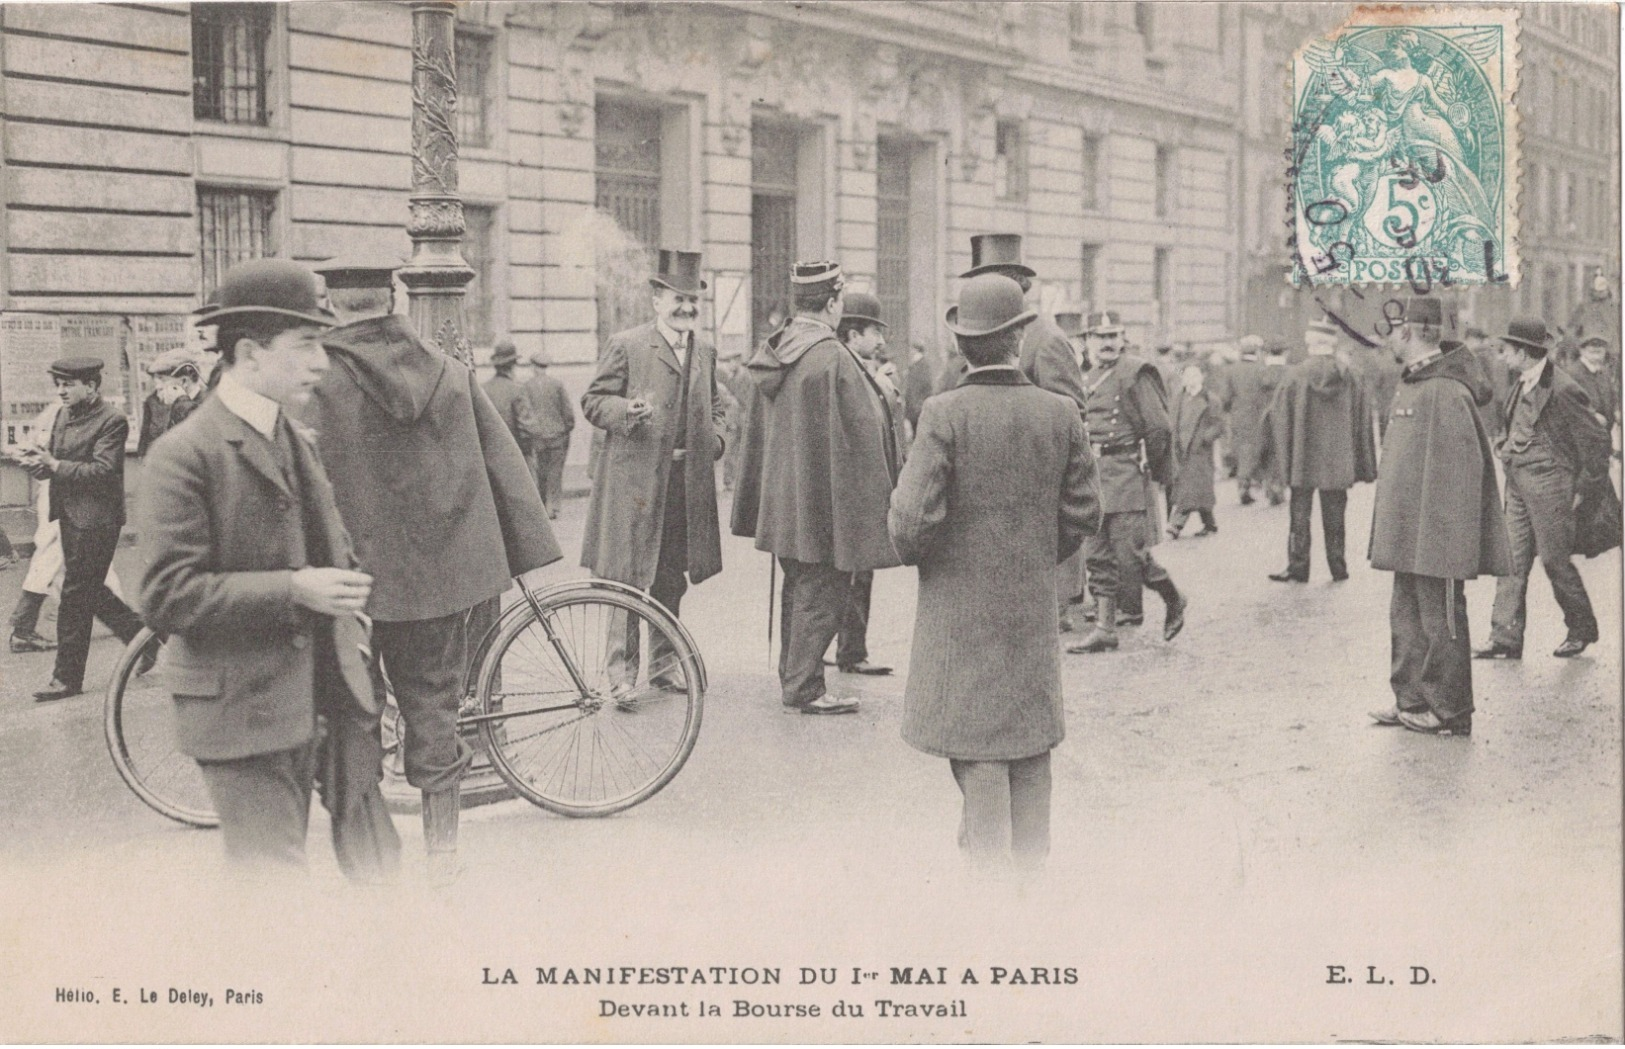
[
  {"x": 998, "y": 489},
  {"x": 555, "y": 417},
  {"x": 84, "y": 461},
  {"x": 652, "y": 522},
  {"x": 507, "y": 396},
  {"x": 444, "y": 512},
  {"x": 1556, "y": 454},
  {"x": 1436, "y": 523},
  {"x": 252, "y": 578}
]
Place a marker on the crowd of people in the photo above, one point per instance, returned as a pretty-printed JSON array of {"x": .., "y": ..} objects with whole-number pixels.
[{"x": 305, "y": 485}]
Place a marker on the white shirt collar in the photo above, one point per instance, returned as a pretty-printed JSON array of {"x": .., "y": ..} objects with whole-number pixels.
[
  {"x": 255, "y": 409},
  {"x": 1531, "y": 374},
  {"x": 990, "y": 367},
  {"x": 678, "y": 341}
]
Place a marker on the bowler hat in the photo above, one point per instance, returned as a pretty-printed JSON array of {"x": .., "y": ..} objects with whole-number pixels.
[
  {"x": 210, "y": 304},
  {"x": 359, "y": 271},
  {"x": 1104, "y": 322},
  {"x": 541, "y": 358},
  {"x": 988, "y": 304},
  {"x": 1528, "y": 333},
  {"x": 172, "y": 361},
  {"x": 679, "y": 271},
  {"x": 274, "y": 286},
  {"x": 861, "y": 306},
  {"x": 1424, "y": 310},
  {"x": 81, "y": 368},
  {"x": 1594, "y": 340},
  {"x": 997, "y": 251},
  {"x": 504, "y": 353},
  {"x": 1070, "y": 322}
]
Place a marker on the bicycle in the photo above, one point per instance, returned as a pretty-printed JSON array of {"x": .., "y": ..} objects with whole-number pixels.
[{"x": 569, "y": 721}]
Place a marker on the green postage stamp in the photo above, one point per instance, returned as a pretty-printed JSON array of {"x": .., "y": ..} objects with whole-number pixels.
[{"x": 1404, "y": 158}]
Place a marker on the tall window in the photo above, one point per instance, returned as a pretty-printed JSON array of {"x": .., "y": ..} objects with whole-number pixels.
[
  {"x": 233, "y": 225},
  {"x": 892, "y": 240},
  {"x": 1009, "y": 161},
  {"x": 1091, "y": 173},
  {"x": 1162, "y": 283},
  {"x": 627, "y": 156},
  {"x": 473, "y": 89},
  {"x": 229, "y": 69},
  {"x": 1089, "y": 274},
  {"x": 1167, "y": 185},
  {"x": 479, "y": 251},
  {"x": 773, "y": 170}
]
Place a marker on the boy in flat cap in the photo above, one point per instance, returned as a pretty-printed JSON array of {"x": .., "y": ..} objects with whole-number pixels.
[
  {"x": 84, "y": 462},
  {"x": 176, "y": 376},
  {"x": 253, "y": 580}
]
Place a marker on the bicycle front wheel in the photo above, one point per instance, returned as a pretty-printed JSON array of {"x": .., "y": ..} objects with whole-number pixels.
[
  {"x": 138, "y": 718},
  {"x": 592, "y": 707}
]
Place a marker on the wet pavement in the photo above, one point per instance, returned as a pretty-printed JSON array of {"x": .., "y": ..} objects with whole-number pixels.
[{"x": 1227, "y": 824}]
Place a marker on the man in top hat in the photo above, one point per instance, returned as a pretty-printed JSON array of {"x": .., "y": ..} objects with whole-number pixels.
[
  {"x": 1317, "y": 438},
  {"x": 508, "y": 397},
  {"x": 1556, "y": 456},
  {"x": 816, "y": 479},
  {"x": 178, "y": 391},
  {"x": 1126, "y": 414},
  {"x": 1249, "y": 387},
  {"x": 999, "y": 488},
  {"x": 252, "y": 578},
  {"x": 1436, "y": 523},
  {"x": 84, "y": 461},
  {"x": 443, "y": 509},
  {"x": 863, "y": 333},
  {"x": 652, "y": 522},
  {"x": 554, "y": 417}
]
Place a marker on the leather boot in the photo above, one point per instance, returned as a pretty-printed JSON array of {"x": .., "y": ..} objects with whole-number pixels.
[
  {"x": 1103, "y": 637},
  {"x": 440, "y": 810},
  {"x": 1173, "y": 621}
]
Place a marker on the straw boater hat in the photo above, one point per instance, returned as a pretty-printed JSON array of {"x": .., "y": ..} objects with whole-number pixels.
[
  {"x": 990, "y": 252},
  {"x": 988, "y": 304},
  {"x": 805, "y": 273},
  {"x": 678, "y": 271},
  {"x": 274, "y": 286}
]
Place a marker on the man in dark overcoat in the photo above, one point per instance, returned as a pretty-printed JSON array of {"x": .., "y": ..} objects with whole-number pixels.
[
  {"x": 1556, "y": 456},
  {"x": 252, "y": 577},
  {"x": 508, "y": 397},
  {"x": 1437, "y": 522},
  {"x": 652, "y": 521},
  {"x": 555, "y": 419},
  {"x": 999, "y": 488},
  {"x": 1249, "y": 388},
  {"x": 444, "y": 512},
  {"x": 84, "y": 462},
  {"x": 1600, "y": 383},
  {"x": 815, "y": 480},
  {"x": 179, "y": 391},
  {"x": 1196, "y": 427},
  {"x": 1318, "y": 439},
  {"x": 1126, "y": 415},
  {"x": 1487, "y": 352}
]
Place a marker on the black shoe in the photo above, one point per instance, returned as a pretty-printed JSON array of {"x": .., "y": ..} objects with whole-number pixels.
[
  {"x": 1570, "y": 648},
  {"x": 28, "y": 641},
  {"x": 865, "y": 667},
  {"x": 1131, "y": 619},
  {"x": 1247, "y": 499},
  {"x": 1174, "y": 621},
  {"x": 1209, "y": 530},
  {"x": 1496, "y": 650},
  {"x": 56, "y": 690},
  {"x": 1340, "y": 576},
  {"x": 1286, "y": 575}
]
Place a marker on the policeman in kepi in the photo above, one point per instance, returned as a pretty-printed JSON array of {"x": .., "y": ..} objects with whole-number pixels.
[{"x": 1126, "y": 414}]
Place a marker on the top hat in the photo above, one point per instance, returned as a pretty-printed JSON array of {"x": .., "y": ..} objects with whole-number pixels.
[
  {"x": 172, "y": 361},
  {"x": 1070, "y": 322},
  {"x": 81, "y": 368},
  {"x": 1104, "y": 322},
  {"x": 274, "y": 286},
  {"x": 1424, "y": 310},
  {"x": 861, "y": 306},
  {"x": 1528, "y": 333},
  {"x": 988, "y": 304},
  {"x": 504, "y": 353},
  {"x": 679, "y": 271},
  {"x": 359, "y": 271},
  {"x": 997, "y": 251}
]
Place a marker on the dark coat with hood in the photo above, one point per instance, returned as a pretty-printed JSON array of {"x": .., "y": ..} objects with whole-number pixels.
[
  {"x": 815, "y": 481},
  {"x": 1196, "y": 428},
  {"x": 625, "y": 517},
  {"x": 1438, "y": 512},
  {"x": 1318, "y": 429},
  {"x": 434, "y": 489}
]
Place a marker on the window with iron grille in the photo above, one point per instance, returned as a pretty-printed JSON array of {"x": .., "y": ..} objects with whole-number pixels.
[
  {"x": 1009, "y": 161},
  {"x": 627, "y": 147},
  {"x": 773, "y": 152},
  {"x": 892, "y": 162},
  {"x": 233, "y": 225},
  {"x": 229, "y": 69},
  {"x": 473, "y": 89},
  {"x": 479, "y": 252}
]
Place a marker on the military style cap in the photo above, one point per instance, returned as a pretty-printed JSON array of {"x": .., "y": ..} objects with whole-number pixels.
[
  {"x": 81, "y": 368},
  {"x": 1528, "y": 333},
  {"x": 988, "y": 304},
  {"x": 997, "y": 251},
  {"x": 359, "y": 271},
  {"x": 504, "y": 352},
  {"x": 861, "y": 306},
  {"x": 172, "y": 362},
  {"x": 274, "y": 286},
  {"x": 1104, "y": 322},
  {"x": 679, "y": 271},
  {"x": 1070, "y": 322},
  {"x": 817, "y": 273}
]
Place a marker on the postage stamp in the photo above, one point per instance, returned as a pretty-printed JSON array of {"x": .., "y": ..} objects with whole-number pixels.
[{"x": 1404, "y": 158}]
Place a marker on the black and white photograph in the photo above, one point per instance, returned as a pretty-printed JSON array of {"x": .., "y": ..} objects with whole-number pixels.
[{"x": 843, "y": 521}]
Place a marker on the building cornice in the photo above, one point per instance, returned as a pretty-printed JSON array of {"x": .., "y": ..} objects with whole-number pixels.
[
  {"x": 1148, "y": 96},
  {"x": 926, "y": 28}
]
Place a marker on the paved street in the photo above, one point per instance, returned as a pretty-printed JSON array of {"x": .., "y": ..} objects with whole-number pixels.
[{"x": 1228, "y": 823}]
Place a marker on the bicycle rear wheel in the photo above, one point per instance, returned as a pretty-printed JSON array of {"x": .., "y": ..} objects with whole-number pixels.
[
  {"x": 138, "y": 719},
  {"x": 593, "y": 707}
]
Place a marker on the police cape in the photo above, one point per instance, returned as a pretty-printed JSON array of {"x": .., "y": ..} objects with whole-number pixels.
[
  {"x": 1438, "y": 511},
  {"x": 815, "y": 479}
]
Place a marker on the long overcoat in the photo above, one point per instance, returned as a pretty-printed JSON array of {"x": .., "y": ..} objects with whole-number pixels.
[
  {"x": 1318, "y": 430},
  {"x": 998, "y": 490},
  {"x": 622, "y": 540},
  {"x": 1050, "y": 361},
  {"x": 1249, "y": 387},
  {"x": 1196, "y": 428},
  {"x": 1437, "y": 511},
  {"x": 436, "y": 492}
]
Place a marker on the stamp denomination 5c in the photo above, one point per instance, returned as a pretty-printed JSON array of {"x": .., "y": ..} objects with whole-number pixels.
[{"x": 1404, "y": 156}]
